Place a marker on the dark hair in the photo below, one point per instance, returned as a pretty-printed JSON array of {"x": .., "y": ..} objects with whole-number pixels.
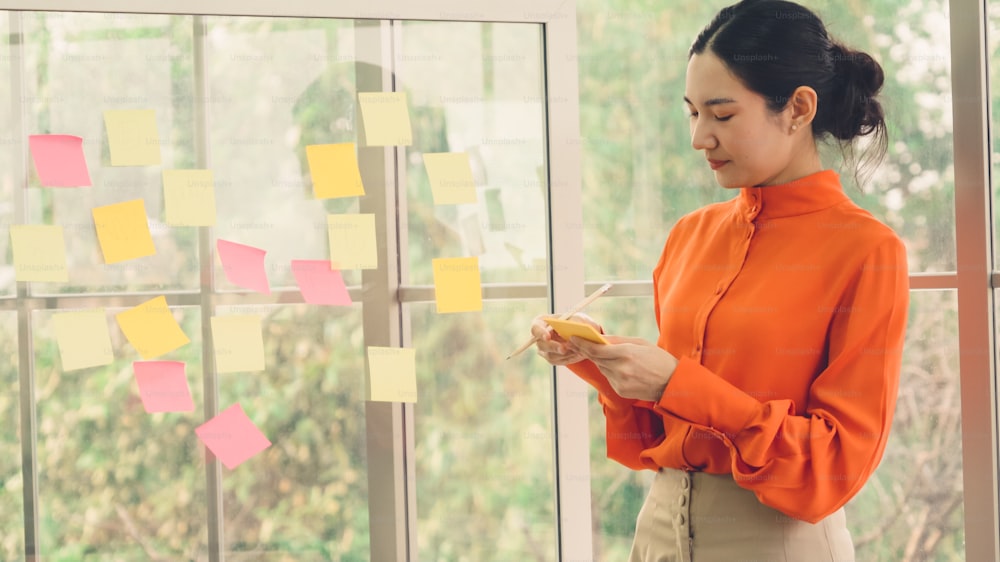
[{"x": 775, "y": 46}]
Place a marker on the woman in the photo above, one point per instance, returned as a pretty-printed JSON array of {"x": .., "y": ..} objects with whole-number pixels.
[{"x": 766, "y": 403}]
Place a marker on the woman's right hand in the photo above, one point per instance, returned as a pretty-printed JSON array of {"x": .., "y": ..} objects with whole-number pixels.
[{"x": 551, "y": 346}]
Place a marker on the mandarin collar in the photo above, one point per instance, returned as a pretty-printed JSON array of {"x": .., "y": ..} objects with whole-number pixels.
[{"x": 807, "y": 194}]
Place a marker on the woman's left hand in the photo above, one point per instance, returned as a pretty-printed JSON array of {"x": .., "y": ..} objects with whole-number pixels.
[{"x": 635, "y": 368}]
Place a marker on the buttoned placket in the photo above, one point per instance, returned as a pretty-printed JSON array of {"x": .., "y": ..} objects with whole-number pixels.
[
  {"x": 682, "y": 520},
  {"x": 745, "y": 220}
]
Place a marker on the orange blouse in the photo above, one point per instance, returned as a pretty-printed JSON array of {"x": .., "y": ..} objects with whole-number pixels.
[{"x": 786, "y": 308}]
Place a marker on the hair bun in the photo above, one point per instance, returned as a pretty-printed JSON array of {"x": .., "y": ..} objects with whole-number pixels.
[
  {"x": 860, "y": 66},
  {"x": 859, "y": 78}
]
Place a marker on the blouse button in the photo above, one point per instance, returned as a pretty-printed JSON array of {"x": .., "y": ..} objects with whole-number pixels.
[
  {"x": 682, "y": 500},
  {"x": 685, "y": 483},
  {"x": 718, "y": 290},
  {"x": 681, "y": 520}
]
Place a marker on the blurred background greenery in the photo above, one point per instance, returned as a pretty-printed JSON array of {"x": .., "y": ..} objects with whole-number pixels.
[{"x": 116, "y": 483}]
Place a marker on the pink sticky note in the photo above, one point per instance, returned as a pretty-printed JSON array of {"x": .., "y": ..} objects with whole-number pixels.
[
  {"x": 163, "y": 386},
  {"x": 244, "y": 265},
  {"x": 319, "y": 283},
  {"x": 232, "y": 437},
  {"x": 59, "y": 160}
]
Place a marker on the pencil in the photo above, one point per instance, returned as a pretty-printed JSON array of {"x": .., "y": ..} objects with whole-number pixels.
[{"x": 565, "y": 316}]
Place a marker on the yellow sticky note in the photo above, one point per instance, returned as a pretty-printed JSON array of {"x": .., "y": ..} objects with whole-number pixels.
[
  {"x": 123, "y": 231},
  {"x": 132, "y": 137},
  {"x": 352, "y": 241},
  {"x": 386, "y": 118},
  {"x": 39, "y": 253},
  {"x": 450, "y": 175},
  {"x": 393, "y": 374},
  {"x": 238, "y": 342},
  {"x": 334, "y": 170},
  {"x": 151, "y": 328},
  {"x": 83, "y": 339},
  {"x": 457, "y": 286},
  {"x": 189, "y": 197},
  {"x": 568, "y": 329}
]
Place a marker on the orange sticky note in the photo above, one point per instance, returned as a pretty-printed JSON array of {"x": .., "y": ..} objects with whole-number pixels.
[
  {"x": 123, "y": 231},
  {"x": 243, "y": 265},
  {"x": 334, "y": 170},
  {"x": 151, "y": 328},
  {"x": 189, "y": 197},
  {"x": 352, "y": 241},
  {"x": 39, "y": 253},
  {"x": 133, "y": 139},
  {"x": 238, "y": 342},
  {"x": 83, "y": 339},
  {"x": 450, "y": 176},
  {"x": 393, "y": 374},
  {"x": 386, "y": 118},
  {"x": 457, "y": 286},
  {"x": 319, "y": 283},
  {"x": 59, "y": 160},
  {"x": 163, "y": 386},
  {"x": 232, "y": 437}
]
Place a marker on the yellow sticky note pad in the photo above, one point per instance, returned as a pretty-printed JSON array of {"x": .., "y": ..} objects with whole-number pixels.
[
  {"x": 352, "y": 241},
  {"x": 386, "y": 118},
  {"x": 334, "y": 170},
  {"x": 457, "y": 285},
  {"x": 238, "y": 342},
  {"x": 450, "y": 175},
  {"x": 567, "y": 329},
  {"x": 189, "y": 197},
  {"x": 151, "y": 328},
  {"x": 393, "y": 374},
  {"x": 132, "y": 137},
  {"x": 123, "y": 231},
  {"x": 39, "y": 253},
  {"x": 83, "y": 339}
]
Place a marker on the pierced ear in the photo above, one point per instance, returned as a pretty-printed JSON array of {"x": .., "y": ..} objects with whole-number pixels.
[{"x": 803, "y": 105}]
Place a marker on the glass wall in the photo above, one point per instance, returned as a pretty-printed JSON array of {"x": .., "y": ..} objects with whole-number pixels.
[
  {"x": 477, "y": 89},
  {"x": 242, "y": 98}
]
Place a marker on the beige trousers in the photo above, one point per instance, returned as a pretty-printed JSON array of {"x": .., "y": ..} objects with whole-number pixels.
[{"x": 698, "y": 517}]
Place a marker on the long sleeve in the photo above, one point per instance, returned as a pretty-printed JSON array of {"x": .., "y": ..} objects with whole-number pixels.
[
  {"x": 631, "y": 425},
  {"x": 808, "y": 465}
]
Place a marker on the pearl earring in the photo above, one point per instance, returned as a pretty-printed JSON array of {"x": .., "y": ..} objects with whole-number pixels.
[{"x": 794, "y": 127}]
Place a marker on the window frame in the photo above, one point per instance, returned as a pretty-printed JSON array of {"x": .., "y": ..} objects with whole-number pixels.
[{"x": 390, "y": 436}]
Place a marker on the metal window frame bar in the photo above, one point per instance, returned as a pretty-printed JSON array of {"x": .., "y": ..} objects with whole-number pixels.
[
  {"x": 25, "y": 338},
  {"x": 974, "y": 255}
]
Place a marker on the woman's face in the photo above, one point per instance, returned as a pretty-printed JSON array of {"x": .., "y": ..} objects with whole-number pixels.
[{"x": 744, "y": 142}]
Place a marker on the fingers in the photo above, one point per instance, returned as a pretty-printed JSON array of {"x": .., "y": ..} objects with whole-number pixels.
[
  {"x": 558, "y": 358},
  {"x": 586, "y": 319},
  {"x": 540, "y": 329},
  {"x": 553, "y": 348},
  {"x": 550, "y": 346},
  {"x": 594, "y": 350}
]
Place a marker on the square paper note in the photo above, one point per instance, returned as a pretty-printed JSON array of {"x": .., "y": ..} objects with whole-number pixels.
[
  {"x": 163, "y": 386},
  {"x": 232, "y": 437}
]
